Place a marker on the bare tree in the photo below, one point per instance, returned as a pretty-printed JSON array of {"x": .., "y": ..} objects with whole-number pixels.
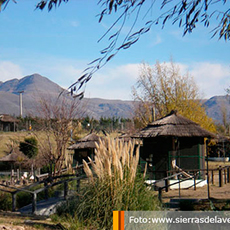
[{"x": 56, "y": 127}]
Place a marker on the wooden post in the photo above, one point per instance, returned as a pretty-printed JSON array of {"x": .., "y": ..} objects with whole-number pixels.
[
  {"x": 65, "y": 190},
  {"x": 13, "y": 201},
  {"x": 12, "y": 176},
  {"x": 208, "y": 181},
  {"x": 160, "y": 194},
  {"x": 220, "y": 177},
  {"x": 18, "y": 175},
  {"x": 179, "y": 184},
  {"x": 166, "y": 185},
  {"x": 228, "y": 175},
  {"x": 225, "y": 175},
  {"x": 212, "y": 176},
  {"x": 194, "y": 176},
  {"x": 34, "y": 203}
]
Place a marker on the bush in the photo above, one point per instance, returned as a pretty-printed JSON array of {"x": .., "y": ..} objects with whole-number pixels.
[
  {"x": 23, "y": 199},
  {"x": 5, "y": 201},
  {"x": 29, "y": 147}
]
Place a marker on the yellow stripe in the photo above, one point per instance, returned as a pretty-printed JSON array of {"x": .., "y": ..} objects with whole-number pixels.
[{"x": 115, "y": 220}]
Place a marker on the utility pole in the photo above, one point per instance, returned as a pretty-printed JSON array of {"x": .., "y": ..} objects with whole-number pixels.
[
  {"x": 153, "y": 114},
  {"x": 20, "y": 101}
]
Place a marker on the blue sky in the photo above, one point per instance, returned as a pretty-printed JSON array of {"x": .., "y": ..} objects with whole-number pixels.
[{"x": 61, "y": 43}]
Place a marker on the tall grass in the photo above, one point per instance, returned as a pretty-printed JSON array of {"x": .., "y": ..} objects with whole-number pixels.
[
  {"x": 114, "y": 184},
  {"x": 114, "y": 164}
]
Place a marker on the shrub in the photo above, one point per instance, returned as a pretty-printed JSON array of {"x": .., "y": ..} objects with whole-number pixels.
[
  {"x": 23, "y": 199},
  {"x": 5, "y": 201},
  {"x": 29, "y": 147}
]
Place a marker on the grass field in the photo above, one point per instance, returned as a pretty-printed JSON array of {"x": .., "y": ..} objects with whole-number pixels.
[{"x": 7, "y": 139}]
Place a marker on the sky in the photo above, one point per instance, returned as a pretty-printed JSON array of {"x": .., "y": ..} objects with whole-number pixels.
[{"x": 60, "y": 44}]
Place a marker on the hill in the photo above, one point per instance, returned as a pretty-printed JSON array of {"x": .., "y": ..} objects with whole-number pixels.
[
  {"x": 32, "y": 84},
  {"x": 215, "y": 105},
  {"x": 36, "y": 87}
]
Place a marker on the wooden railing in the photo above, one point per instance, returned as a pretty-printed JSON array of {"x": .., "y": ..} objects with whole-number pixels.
[
  {"x": 46, "y": 181},
  {"x": 47, "y": 184},
  {"x": 220, "y": 175},
  {"x": 167, "y": 185}
]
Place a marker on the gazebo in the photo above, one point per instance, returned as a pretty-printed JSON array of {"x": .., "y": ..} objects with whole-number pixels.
[
  {"x": 15, "y": 157},
  {"x": 84, "y": 148},
  {"x": 173, "y": 142},
  {"x": 8, "y": 123}
]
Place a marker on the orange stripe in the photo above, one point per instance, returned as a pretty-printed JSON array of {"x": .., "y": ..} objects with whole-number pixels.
[
  {"x": 115, "y": 220},
  {"x": 121, "y": 220}
]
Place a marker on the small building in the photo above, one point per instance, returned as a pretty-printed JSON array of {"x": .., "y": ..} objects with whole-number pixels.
[
  {"x": 84, "y": 148},
  {"x": 13, "y": 160},
  {"x": 8, "y": 123},
  {"x": 173, "y": 142}
]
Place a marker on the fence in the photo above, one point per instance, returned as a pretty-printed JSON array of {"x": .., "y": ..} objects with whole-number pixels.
[
  {"x": 220, "y": 175},
  {"x": 46, "y": 181}
]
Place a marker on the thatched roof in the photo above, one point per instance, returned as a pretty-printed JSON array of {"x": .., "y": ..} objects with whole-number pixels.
[
  {"x": 7, "y": 118},
  {"x": 174, "y": 125},
  {"x": 14, "y": 157},
  {"x": 86, "y": 142}
]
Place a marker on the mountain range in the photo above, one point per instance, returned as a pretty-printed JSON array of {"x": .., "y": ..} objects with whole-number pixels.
[{"x": 36, "y": 87}]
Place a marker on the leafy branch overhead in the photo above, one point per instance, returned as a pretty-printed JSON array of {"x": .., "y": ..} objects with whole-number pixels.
[{"x": 186, "y": 13}]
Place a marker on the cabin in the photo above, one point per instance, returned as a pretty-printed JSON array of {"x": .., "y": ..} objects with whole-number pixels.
[
  {"x": 85, "y": 148},
  {"x": 173, "y": 143},
  {"x": 15, "y": 159},
  {"x": 8, "y": 123}
]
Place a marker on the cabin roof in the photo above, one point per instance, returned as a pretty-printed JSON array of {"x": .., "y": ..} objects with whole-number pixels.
[{"x": 173, "y": 125}]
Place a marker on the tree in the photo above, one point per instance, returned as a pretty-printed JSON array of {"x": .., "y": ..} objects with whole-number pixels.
[
  {"x": 163, "y": 88},
  {"x": 187, "y": 13},
  {"x": 56, "y": 128}
]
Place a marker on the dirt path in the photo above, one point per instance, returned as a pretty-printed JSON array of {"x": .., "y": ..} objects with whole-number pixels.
[
  {"x": 200, "y": 193},
  {"x": 15, "y": 221}
]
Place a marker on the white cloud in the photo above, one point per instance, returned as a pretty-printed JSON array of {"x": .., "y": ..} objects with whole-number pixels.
[
  {"x": 212, "y": 78},
  {"x": 9, "y": 70},
  {"x": 109, "y": 82},
  {"x": 113, "y": 82}
]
